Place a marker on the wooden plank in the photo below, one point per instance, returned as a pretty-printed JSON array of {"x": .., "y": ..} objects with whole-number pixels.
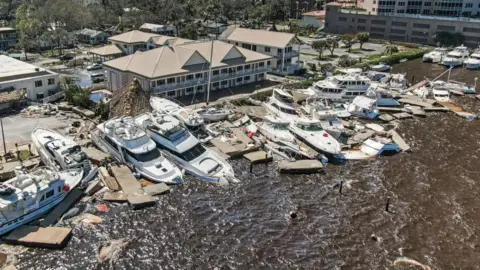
[
  {"x": 399, "y": 140},
  {"x": 72, "y": 197},
  {"x": 258, "y": 157},
  {"x": 403, "y": 115},
  {"x": 417, "y": 85},
  {"x": 301, "y": 166},
  {"x": 414, "y": 97},
  {"x": 225, "y": 147},
  {"x": 33, "y": 236},
  {"x": 126, "y": 180},
  {"x": 386, "y": 117},
  {"x": 418, "y": 111},
  {"x": 107, "y": 180},
  {"x": 114, "y": 197}
]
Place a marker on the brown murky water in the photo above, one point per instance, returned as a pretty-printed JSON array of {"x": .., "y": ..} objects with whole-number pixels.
[{"x": 434, "y": 217}]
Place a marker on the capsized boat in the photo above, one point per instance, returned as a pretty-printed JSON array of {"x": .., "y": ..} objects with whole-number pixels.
[
  {"x": 275, "y": 129},
  {"x": 364, "y": 107},
  {"x": 454, "y": 85},
  {"x": 382, "y": 67},
  {"x": 192, "y": 120},
  {"x": 62, "y": 153},
  {"x": 441, "y": 94},
  {"x": 311, "y": 133},
  {"x": 184, "y": 149},
  {"x": 130, "y": 145},
  {"x": 28, "y": 196}
]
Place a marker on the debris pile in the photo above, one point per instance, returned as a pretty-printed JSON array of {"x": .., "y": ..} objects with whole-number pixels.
[{"x": 130, "y": 101}]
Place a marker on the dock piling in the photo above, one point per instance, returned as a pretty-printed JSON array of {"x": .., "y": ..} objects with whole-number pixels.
[
  {"x": 341, "y": 187},
  {"x": 387, "y": 205}
]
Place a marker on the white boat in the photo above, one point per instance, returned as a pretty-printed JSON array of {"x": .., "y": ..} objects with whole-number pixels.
[
  {"x": 311, "y": 133},
  {"x": 422, "y": 91},
  {"x": 340, "y": 110},
  {"x": 192, "y": 120},
  {"x": 456, "y": 57},
  {"x": 185, "y": 149},
  {"x": 454, "y": 85},
  {"x": 383, "y": 96},
  {"x": 473, "y": 62},
  {"x": 62, "y": 153},
  {"x": 275, "y": 129},
  {"x": 130, "y": 145},
  {"x": 364, "y": 107},
  {"x": 371, "y": 148},
  {"x": 441, "y": 94},
  {"x": 246, "y": 124},
  {"x": 435, "y": 56},
  {"x": 342, "y": 87},
  {"x": 317, "y": 107},
  {"x": 214, "y": 114},
  {"x": 280, "y": 104},
  {"x": 382, "y": 67},
  {"x": 28, "y": 196}
]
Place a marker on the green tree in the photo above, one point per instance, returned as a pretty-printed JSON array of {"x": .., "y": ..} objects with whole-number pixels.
[
  {"x": 75, "y": 94},
  {"x": 28, "y": 28},
  {"x": 319, "y": 46},
  {"x": 391, "y": 49},
  {"x": 349, "y": 40},
  {"x": 449, "y": 39},
  {"x": 332, "y": 45},
  {"x": 363, "y": 37}
]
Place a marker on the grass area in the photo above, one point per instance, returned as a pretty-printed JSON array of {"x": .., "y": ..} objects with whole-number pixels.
[{"x": 396, "y": 57}]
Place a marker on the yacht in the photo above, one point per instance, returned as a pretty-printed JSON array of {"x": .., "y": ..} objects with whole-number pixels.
[
  {"x": 62, "y": 153},
  {"x": 192, "y": 120},
  {"x": 473, "y": 62},
  {"x": 342, "y": 87},
  {"x": 435, "y": 56},
  {"x": 454, "y": 85},
  {"x": 441, "y": 94},
  {"x": 246, "y": 124},
  {"x": 456, "y": 57},
  {"x": 29, "y": 195},
  {"x": 320, "y": 109},
  {"x": 363, "y": 107},
  {"x": 281, "y": 105},
  {"x": 311, "y": 133},
  {"x": 181, "y": 147},
  {"x": 275, "y": 129},
  {"x": 382, "y": 67},
  {"x": 383, "y": 96},
  {"x": 214, "y": 114},
  {"x": 128, "y": 144}
]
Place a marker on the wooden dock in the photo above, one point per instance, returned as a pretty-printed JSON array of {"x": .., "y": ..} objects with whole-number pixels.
[
  {"x": 459, "y": 110},
  {"x": 301, "y": 167},
  {"x": 235, "y": 148},
  {"x": 414, "y": 102},
  {"x": 258, "y": 157},
  {"x": 33, "y": 236},
  {"x": 418, "y": 111},
  {"x": 402, "y": 115},
  {"x": 417, "y": 85},
  {"x": 360, "y": 137},
  {"x": 52, "y": 217},
  {"x": 131, "y": 188},
  {"x": 390, "y": 109},
  {"x": 107, "y": 180},
  {"x": 399, "y": 140}
]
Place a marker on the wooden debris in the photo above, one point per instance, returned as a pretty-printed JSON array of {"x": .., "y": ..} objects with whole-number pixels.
[
  {"x": 403, "y": 115},
  {"x": 33, "y": 236},
  {"x": 93, "y": 187},
  {"x": 399, "y": 140},
  {"x": 301, "y": 166},
  {"x": 114, "y": 197},
  {"x": 258, "y": 157},
  {"x": 418, "y": 111},
  {"x": 360, "y": 137},
  {"x": 109, "y": 181},
  {"x": 386, "y": 117},
  {"x": 157, "y": 189}
]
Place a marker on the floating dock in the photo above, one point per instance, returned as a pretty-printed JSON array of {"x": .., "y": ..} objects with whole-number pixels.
[
  {"x": 399, "y": 140},
  {"x": 459, "y": 110},
  {"x": 360, "y": 137},
  {"x": 414, "y": 102},
  {"x": 131, "y": 188},
  {"x": 52, "y": 217},
  {"x": 301, "y": 167},
  {"x": 258, "y": 157},
  {"x": 418, "y": 111},
  {"x": 33, "y": 236},
  {"x": 402, "y": 115},
  {"x": 235, "y": 148}
]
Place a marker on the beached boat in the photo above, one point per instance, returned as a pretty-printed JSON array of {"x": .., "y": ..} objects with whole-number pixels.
[
  {"x": 275, "y": 129},
  {"x": 184, "y": 149},
  {"x": 280, "y": 104},
  {"x": 246, "y": 124},
  {"x": 130, "y": 145},
  {"x": 192, "y": 120},
  {"x": 62, "y": 153},
  {"x": 364, "y": 107},
  {"x": 473, "y": 62},
  {"x": 382, "y": 67},
  {"x": 456, "y": 57},
  {"x": 371, "y": 148},
  {"x": 435, "y": 56},
  {"x": 441, "y": 94},
  {"x": 214, "y": 114},
  {"x": 28, "y": 196},
  {"x": 341, "y": 87},
  {"x": 454, "y": 85},
  {"x": 311, "y": 133}
]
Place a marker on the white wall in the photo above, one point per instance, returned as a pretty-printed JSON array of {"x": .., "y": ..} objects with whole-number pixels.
[
  {"x": 311, "y": 20},
  {"x": 29, "y": 85}
]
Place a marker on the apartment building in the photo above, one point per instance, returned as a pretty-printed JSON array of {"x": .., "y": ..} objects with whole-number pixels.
[
  {"x": 160, "y": 29},
  {"x": 414, "y": 28},
  {"x": 183, "y": 69},
  {"x": 8, "y": 38},
  {"x": 279, "y": 45},
  {"x": 90, "y": 36},
  {"x": 425, "y": 7}
]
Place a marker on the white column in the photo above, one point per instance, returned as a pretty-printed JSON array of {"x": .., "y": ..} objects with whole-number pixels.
[{"x": 283, "y": 57}]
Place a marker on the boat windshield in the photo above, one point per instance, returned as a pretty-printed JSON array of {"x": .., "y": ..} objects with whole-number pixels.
[
  {"x": 310, "y": 127},
  {"x": 193, "y": 152},
  {"x": 282, "y": 98},
  {"x": 284, "y": 110},
  {"x": 278, "y": 126},
  {"x": 440, "y": 95},
  {"x": 147, "y": 156}
]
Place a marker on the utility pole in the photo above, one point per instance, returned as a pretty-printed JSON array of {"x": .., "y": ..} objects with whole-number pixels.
[{"x": 3, "y": 138}]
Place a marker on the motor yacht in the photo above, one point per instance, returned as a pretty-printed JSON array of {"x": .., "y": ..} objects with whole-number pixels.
[
  {"x": 311, "y": 133},
  {"x": 454, "y": 85},
  {"x": 281, "y": 105},
  {"x": 456, "y": 57},
  {"x": 181, "y": 147},
  {"x": 275, "y": 129},
  {"x": 62, "y": 153},
  {"x": 131, "y": 145},
  {"x": 473, "y": 62},
  {"x": 342, "y": 88},
  {"x": 30, "y": 195},
  {"x": 319, "y": 108},
  {"x": 192, "y": 120},
  {"x": 363, "y": 107},
  {"x": 214, "y": 114},
  {"x": 435, "y": 56},
  {"x": 382, "y": 67}
]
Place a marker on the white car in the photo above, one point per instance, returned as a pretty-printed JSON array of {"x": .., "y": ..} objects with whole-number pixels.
[
  {"x": 95, "y": 67},
  {"x": 309, "y": 42}
]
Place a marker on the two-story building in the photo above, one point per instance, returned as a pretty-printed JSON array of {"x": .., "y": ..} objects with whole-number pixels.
[
  {"x": 183, "y": 69},
  {"x": 90, "y": 36},
  {"x": 161, "y": 29},
  {"x": 277, "y": 44},
  {"x": 8, "y": 38}
]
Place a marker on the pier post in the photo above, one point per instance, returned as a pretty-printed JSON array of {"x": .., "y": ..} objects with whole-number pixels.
[
  {"x": 266, "y": 159},
  {"x": 413, "y": 79},
  {"x": 251, "y": 167},
  {"x": 388, "y": 204},
  {"x": 341, "y": 187}
]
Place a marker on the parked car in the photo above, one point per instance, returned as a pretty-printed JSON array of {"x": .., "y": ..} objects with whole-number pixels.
[
  {"x": 95, "y": 67},
  {"x": 309, "y": 42},
  {"x": 97, "y": 77},
  {"x": 66, "y": 57}
]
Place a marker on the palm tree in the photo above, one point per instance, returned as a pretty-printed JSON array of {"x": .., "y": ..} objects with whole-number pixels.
[{"x": 391, "y": 49}]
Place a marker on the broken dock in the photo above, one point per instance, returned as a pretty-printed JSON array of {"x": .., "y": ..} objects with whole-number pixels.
[
  {"x": 52, "y": 217},
  {"x": 33, "y": 236},
  {"x": 136, "y": 196},
  {"x": 301, "y": 167}
]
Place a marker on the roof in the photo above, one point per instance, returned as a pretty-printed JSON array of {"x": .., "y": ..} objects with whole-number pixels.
[
  {"x": 13, "y": 69},
  {"x": 315, "y": 13},
  {"x": 13, "y": 95},
  {"x": 106, "y": 50},
  {"x": 334, "y": 4},
  {"x": 2, "y": 29},
  {"x": 162, "y": 40},
  {"x": 261, "y": 37},
  {"x": 154, "y": 27},
  {"x": 90, "y": 32},
  {"x": 134, "y": 36},
  {"x": 183, "y": 58}
]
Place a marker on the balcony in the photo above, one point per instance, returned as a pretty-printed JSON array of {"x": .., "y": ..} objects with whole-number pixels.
[
  {"x": 215, "y": 78},
  {"x": 289, "y": 54}
]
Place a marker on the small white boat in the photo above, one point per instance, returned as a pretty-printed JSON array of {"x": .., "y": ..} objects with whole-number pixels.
[
  {"x": 280, "y": 104},
  {"x": 456, "y": 57},
  {"x": 317, "y": 107},
  {"x": 371, "y": 148},
  {"x": 340, "y": 110},
  {"x": 382, "y": 67},
  {"x": 275, "y": 129},
  {"x": 311, "y": 133},
  {"x": 28, "y": 196},
  {"x": 214, "y": 114},
  {"x": 364, "y": 107},
  {"x": 454, "y": 85},
  {"x": 473, "y": 62},
  {"x": 62, "y": 153},
  {"x": 130, "y": 145},
  {"x": 441, "y": 94},
  {"x": 246, "y": 124},
  {"x": 435, "y": 56}
]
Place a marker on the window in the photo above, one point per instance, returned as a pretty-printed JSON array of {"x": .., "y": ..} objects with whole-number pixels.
[
  {"x": 51, "y": 81},
  {"x": 239, "y": 68},
  {"x": 427, "y": 4},
  {"x": 239, "y": 80},
  {"x": 170, "y": 80},
  {"x": 261, "y": 64},
  {"x": 246, "y": 78},
  {"x": 267, "y": 49},
  {"x": 198, "y": 75},
  {"x": 200, "y": 88},
  {"x": 254, "y": 47},
  {"x": 445, "y": 28},
  {"x": 189, "y": 77},
  {"x": 216, "y": 84},
  {"x": 268, "y": 63},
  {"x": 154, "y": 84},
  {"x": 421, "y": 25},
  {"x": 38, "y": 83},
  {"x": 469, "y": 5},
  {"x": 215, "y": 72},
  {"x": 362, "y": 20},
  {"x": 160, "y": 82},
  {"x": 110, "y": 142},
  {"x": 342, "y": 19},
  {"x": 224, "y": 71},
  {"x": 399, "y": 24},
  {"x": 397, "y": 31},
  {"x": 401, "y": 4},
  {"x": 378, "y": 22},
  {"x": 59, "y": 190},
  {"x": 236, "y": 43},
  {"x": 247, "y": 46},
  {"x": 247, "y": 66},
  {"x": 145, "y": 157},
  {"x": 192, "y": 153},
  {"x": 188, "y": 91},
  {"x": 224, "y": 82},
  {"x": 40, "y": 96},
  {"x": 50, "y": 193}
]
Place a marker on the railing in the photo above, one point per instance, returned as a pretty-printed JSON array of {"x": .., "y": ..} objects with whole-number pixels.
[
  {"x": 52, "y": 98},
  {"x": 289, "y": 54},
  {"x": 414, "y": 16}
]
